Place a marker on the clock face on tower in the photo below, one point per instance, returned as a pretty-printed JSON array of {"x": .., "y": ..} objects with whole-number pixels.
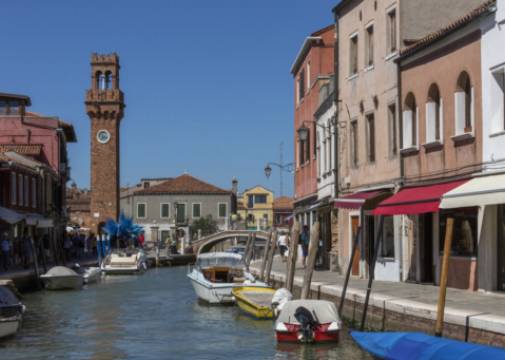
[{"x": 103, "y": 136}]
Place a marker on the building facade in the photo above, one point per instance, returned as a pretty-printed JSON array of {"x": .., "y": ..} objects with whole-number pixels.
[
  {"x": 175, "y": 204},
  {"x": 255, "y": 208},
  {"x": 282, "y": 212}
]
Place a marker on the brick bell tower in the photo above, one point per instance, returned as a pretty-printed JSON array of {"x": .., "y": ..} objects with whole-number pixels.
[{"x": 104, "y": 106}]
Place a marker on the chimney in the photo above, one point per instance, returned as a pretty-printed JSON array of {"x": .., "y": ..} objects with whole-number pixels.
[{"x": 234, "y": 186}]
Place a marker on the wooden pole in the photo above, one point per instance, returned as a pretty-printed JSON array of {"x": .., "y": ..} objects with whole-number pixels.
[
  {"x": 371, "y": 274},
  {"x": 349, "y": 269},
  {"x": 443, "y": 277},
  {"x": 247, "y": 247},
  {"x": 266, "y": 250},
  {"x": 273, "y": 248},
  {"x": 251, "y": 251},
  {"x": 311, "y": 260},
  {"x": 293, "y": 254}
]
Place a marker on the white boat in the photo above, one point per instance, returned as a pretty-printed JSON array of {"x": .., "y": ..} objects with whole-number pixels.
[
  {"x": 62, "y": 278},
  {"x": 216, "y": 274},
  {"x": 90, "y": 274},
  {"x": 128, "y": 261},
  {"x": 11, "y": 312}
]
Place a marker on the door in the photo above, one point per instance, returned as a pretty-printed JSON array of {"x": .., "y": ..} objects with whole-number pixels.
[
  {"x": 501, "y": 248},
  {"x": 357, "y": 255},
  {"x": 427, "y": 249},
  {"x": 181, "y": 213}
]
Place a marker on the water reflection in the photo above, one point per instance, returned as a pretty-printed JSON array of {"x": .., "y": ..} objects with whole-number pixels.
[{"x": 154, "y": 316}]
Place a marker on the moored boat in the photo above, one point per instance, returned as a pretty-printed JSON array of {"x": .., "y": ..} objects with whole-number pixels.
[
  {"x": 61, "y": 278},
  {"x": 308, "y": 321},
  {"x": 124, "y": 262},
  {"x": 216, "y": 274},
  {"x": 91, "y": 275},
  {"x": 255, "y": 301},
  {"x": 414, "y": 345},
  {"x": 11, "y": 312}
]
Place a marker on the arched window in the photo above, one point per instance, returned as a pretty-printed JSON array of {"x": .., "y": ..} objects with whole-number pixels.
[
  {"x": 108, "y": 80},
  {"x": 100, "y": 80},
  {"x": 433, "y": 115},
  {"x": 463, "y": 99},
  {"x": 410, "y": 122}
]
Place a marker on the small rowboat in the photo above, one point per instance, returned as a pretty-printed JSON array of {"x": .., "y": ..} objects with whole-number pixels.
[
  {"x": 413, "y": 346},
  {"x": 255, "y": 301}
]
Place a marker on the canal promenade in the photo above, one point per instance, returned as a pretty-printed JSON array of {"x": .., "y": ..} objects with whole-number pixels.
[{"x": 474, "y": 316}]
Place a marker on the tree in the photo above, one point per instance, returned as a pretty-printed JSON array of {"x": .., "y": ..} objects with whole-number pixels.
[{"x": 207, "y": 225}]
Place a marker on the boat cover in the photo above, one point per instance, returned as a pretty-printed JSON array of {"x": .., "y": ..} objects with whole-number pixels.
[
  {"x": 60, "y": 271},
  {"x": 7, "y": 297},
  {"x": 325, "y": 311},
  {"x": 417, "y": 346},
  {"x": 220, "y": 259}
]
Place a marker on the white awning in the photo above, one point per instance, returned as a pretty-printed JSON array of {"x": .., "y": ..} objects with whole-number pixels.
[
  {"x": 479, "y": 191},
  {"x": 10, "y": 216},
  {"x": 45, "y": 223},
  {"x": 39, "y": 221}
]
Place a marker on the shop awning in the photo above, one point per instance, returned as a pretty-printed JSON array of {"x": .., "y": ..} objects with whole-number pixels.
[
  {"x": 416, "y": 200},
  {"x": 10, "y": 216},
  {"x": 39, "y": 221},
  {"x": 357, "y": 200},
  {"x": 480, "y": 191}
]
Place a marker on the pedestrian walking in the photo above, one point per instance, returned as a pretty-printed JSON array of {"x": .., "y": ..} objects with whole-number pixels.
[
  {"x": 304, "y": 241},
  {"x": 5, "y": 248},
  {"x": 26, "y": 249},
  {"x": 282, "y": 242}
]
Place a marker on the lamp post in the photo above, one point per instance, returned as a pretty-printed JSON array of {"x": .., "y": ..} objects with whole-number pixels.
[{"x": 281, "y": 166}]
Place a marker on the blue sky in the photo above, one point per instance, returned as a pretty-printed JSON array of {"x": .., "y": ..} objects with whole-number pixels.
[{"x": 207, "y": 83}]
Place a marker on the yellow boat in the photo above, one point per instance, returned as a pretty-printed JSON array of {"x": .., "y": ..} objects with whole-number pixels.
[{"x": 255, "y": 301}]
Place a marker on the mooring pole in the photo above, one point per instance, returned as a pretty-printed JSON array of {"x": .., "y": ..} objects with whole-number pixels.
[
  {"x": 371, "y": 274},
  {"x": 251, "y": 250},
  {"x": 293, "y": 254},
  {"x": 311, "y": 260},
  {"x": 349, "y": 270},
  {"x": 271, "y": 254},
  {"x": 266, "y": 250},
  {"x": 443, "y": 277},
  {"x": 247, "y": 249}
]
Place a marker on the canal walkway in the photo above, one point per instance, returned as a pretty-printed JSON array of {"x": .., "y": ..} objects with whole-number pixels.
[{"x": 468, "y": 314}]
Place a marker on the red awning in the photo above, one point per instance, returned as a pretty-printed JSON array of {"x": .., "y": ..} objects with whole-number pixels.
[
  {"x": 416, "y": 200},
  {"x": 356, "y": 200}
]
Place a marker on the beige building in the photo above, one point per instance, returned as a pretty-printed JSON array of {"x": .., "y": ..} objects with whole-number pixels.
[
  {"x": 255, "y": 208},
  {"x": 369, "y": 36}
]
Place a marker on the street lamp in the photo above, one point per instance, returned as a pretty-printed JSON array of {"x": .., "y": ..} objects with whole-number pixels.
[
  {"x": 303, "y": 133},
  {"x": 268, "y": 171}
]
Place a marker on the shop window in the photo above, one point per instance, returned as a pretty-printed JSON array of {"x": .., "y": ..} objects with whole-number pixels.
[
  {"x": 387, "y": 249},
  {"x": 464, "y": 240}
]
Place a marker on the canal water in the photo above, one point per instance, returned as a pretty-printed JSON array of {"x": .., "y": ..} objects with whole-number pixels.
[{"x": 151, "y": 316}]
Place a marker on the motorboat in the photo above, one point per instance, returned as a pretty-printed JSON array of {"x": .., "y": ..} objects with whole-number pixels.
[
  {"x": 11, "y": 311},
  {"x": 90, "y": 274},
  {"x": 415, "y": 345},
  {"x": 215, "y": 275},
  {"x": 125, "y": 262},
  {"x": 308, "y": 321},
  {"x": 255, "y": 301},
  {"x": 62, "y": 278}
]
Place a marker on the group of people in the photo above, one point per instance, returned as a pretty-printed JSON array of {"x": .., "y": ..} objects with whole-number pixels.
[
  {"x": 20, "y": 251},
  {"x": 283, "y": 242}
]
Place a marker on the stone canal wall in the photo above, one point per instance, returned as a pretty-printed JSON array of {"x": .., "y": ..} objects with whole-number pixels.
[{"x": 387, "y": 313}]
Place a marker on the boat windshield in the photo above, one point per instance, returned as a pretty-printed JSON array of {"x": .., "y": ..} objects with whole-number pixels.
[{"x": 222, "y": 261}]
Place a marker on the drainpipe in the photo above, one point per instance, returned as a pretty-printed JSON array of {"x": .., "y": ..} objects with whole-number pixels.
[{"x": 336, "y": 127}]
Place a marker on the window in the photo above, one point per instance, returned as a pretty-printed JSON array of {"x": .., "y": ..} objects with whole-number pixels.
[
  {"x": 108, "y": 80},
  {"x": 301, "y": 152},
  {"x": 197, "y": 210},
  {"x": 318, "y": 155},
  {"x": 34, "y": 193},
  {"x": 463, "y": 99},
  {"x": 323, "y": 155},
  {"x": 165, "y": 210},
  {"x": 13, "y": 189},
  {"x": 369, "y": 46},
  {"x": 250, "y": 201},
  {"x": 308, "y": 77},
  {"x": 354, "y": 143},
  {"x": 391, "y": 31},
  {"x": 464, "y": 241},
  {"x": 353, "y": 52},
  {"x": 26, "y": 189},
  {"x": 433, "y": 115},
  {"x": 328, "y": 148},
  {"x": 20, "y": 190},
  {"x": 301, "y": 85},
  {"x": 393, "y": 147},
  {"x": 181, "y": 213},
  {"x": 222, "y": 210},
  {"x": 260, "y": 199},
  {"x": 370, "y": 133},
  {"x": 164, "y": 235},
  {"x": 3, "y": 107},
  {"x": 307, "y": 147},
  {"x": 387, "y": 249},
  {"x": 141, "y": 210},
  {"x": 410, "y": 122},
  {"x": 498, "y": 101}
]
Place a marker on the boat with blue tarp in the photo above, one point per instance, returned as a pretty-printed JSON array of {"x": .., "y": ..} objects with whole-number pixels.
[{"x": 413, "y": 346}]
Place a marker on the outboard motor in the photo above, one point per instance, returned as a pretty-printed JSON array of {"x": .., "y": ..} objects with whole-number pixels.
[
  {"x": 280, "y": 298},
  {"x": 307, "y": 322}
]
